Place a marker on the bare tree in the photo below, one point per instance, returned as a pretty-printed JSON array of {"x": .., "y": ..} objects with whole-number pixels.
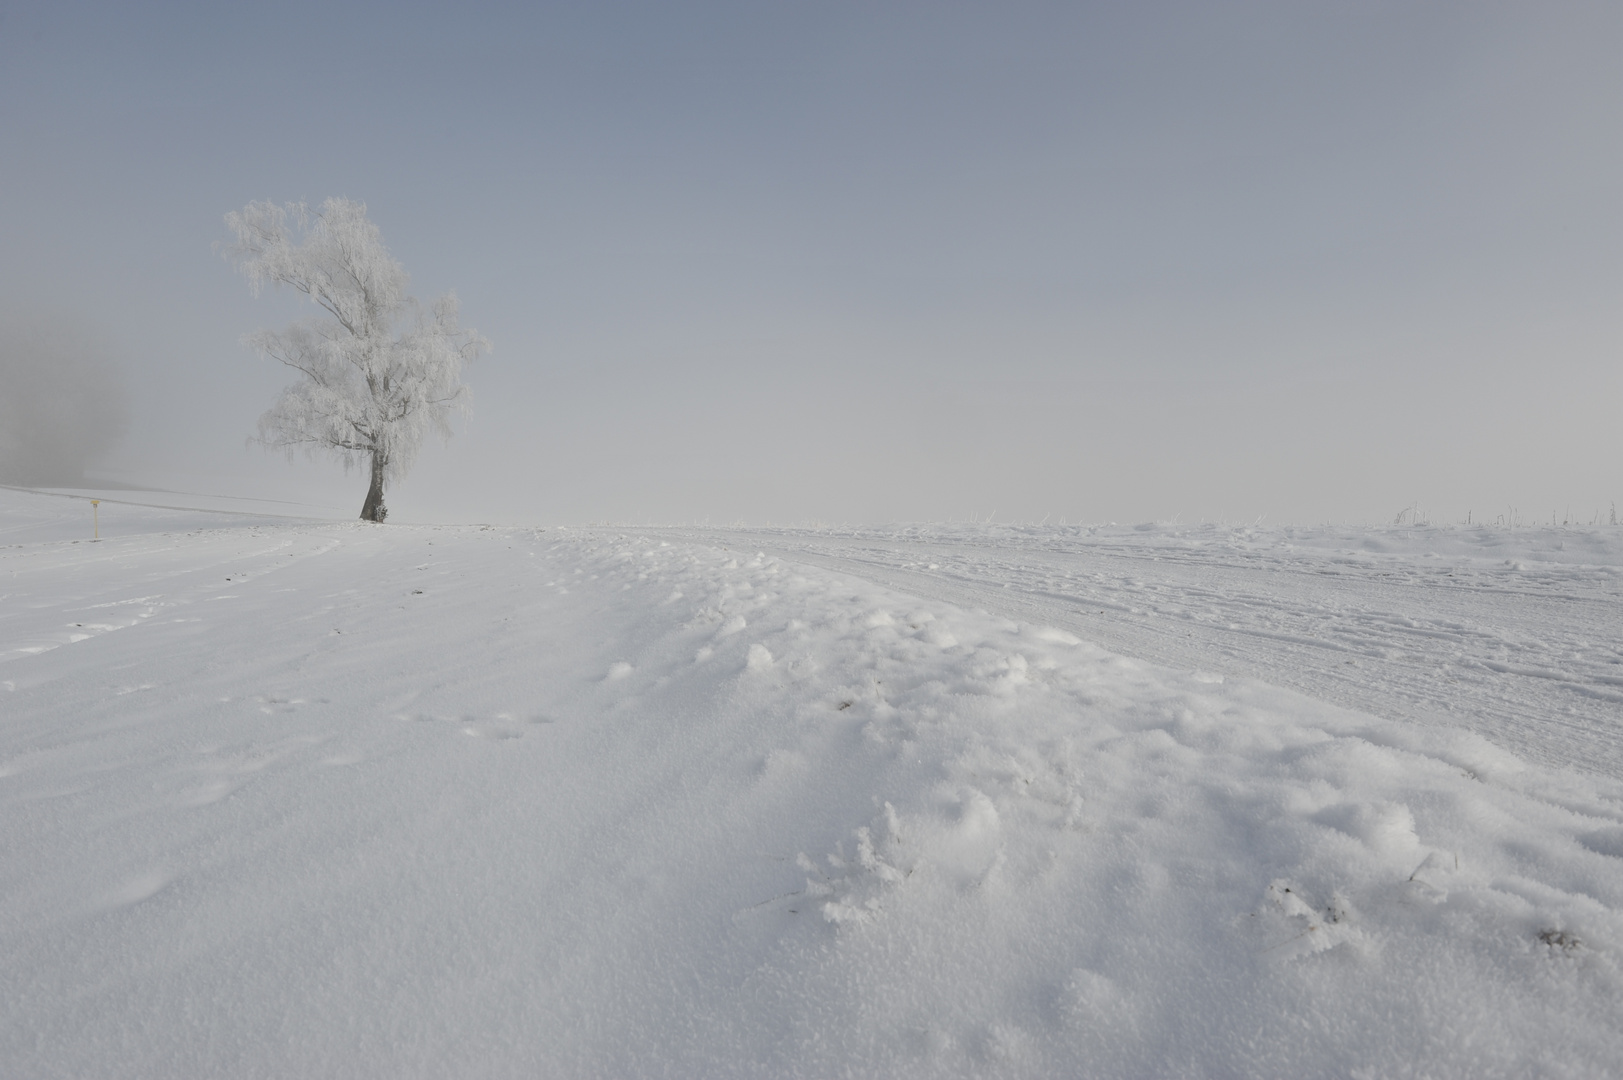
[{"x": 378, "y": 372}]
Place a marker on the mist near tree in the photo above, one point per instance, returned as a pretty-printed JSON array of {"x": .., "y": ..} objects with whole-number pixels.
[{"x": 63, "y": 400}]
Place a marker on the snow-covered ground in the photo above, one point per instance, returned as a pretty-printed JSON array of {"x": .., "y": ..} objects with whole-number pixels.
[
  {"x": 326, "y": 799},
  {"x": 126, "y": 510},
  {"x": 1516, "y": 634}
]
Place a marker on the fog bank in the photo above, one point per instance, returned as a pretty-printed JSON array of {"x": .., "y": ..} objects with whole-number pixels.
[{"x": 63, "y": 402}]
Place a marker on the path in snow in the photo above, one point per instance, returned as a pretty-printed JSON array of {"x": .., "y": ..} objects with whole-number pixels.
[{"x": 1517, "y": 636}]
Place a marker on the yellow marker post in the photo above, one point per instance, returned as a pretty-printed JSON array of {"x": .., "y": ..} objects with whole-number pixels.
[{"x": 95, "y": 517}]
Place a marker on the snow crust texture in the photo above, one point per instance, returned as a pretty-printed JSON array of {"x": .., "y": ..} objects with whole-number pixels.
[
  {"x": 347, "y": 800},
  {"x": 1516, "y": 634}
]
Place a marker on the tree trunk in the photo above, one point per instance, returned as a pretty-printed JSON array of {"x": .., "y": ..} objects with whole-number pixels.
[{"x": 373, "y": 509}]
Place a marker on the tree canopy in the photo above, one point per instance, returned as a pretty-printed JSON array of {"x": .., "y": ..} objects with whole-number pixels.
[{"x": 378, "y": 370}]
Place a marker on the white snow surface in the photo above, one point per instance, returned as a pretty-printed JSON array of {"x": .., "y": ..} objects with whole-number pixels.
[
  {"x": 333, "y": 799},
  {"x": 1514, "y": 634}
]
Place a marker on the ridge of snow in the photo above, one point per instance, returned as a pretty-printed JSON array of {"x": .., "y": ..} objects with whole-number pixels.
[{"x": 413, "y": 801}]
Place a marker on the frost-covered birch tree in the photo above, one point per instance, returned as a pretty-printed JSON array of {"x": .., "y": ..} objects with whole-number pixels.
[{"x": 377, "y": 372}]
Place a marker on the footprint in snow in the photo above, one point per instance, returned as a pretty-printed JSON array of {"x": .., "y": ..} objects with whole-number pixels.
[
  {"x": 209, "y": 792},
  {"x": 136, "y": 889},
  {"x": 494, "y": 731},
  {"x": 498, "y": 728}
]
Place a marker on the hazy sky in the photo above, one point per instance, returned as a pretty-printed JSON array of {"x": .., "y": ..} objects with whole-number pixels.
[{"x": 872, "y": 261}]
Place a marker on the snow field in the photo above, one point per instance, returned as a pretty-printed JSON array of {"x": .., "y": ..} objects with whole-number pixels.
[
  {"x": 401, "y": 801},
  {"x": 32, "y": 515},
  {"x": 1514, "y": 634}
]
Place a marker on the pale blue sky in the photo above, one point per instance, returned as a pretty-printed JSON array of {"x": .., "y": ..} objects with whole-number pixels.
[{"x": 874, "y": 261}]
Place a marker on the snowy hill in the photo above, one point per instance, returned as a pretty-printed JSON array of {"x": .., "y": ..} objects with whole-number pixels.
[{"x": 325, "y": 799}]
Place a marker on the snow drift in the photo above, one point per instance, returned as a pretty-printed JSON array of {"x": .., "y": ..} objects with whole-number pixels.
[{"x": 344, "y": 800}]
